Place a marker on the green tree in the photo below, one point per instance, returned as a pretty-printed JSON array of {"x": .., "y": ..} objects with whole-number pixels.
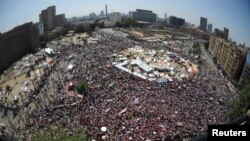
[
  {"x": 89, "y": 33},
  {"x": 32, "y": 68},
  {"x": 59, "y": 135},
  {"x": 37, "y": 62},
  {"x": 196, "y": 48},
  {"x": 79, "y": 28},
  {"x": 66, "y": 28},
  {"x": 239, "y": 105},
  {"x": 118, "y": 24},
  {"x": 129, "y": 22},
  {"x": 96, "y": 21},
  {"x": 84, "y": 40},
  {"x": 28, "y": 74},
  {"x": 82, "y": 87},
  {"x": 101, "y": 25},
  {"x": 206, "y": 45},
  {"x": 1, "y": 90},
  {"x": 64, "y": 31},
  {"x": 9, "y": 90},
  {"x": 93, "y": 26},
  {"x": 43, "y": 40},
  {"x": 78, "y": 38}
]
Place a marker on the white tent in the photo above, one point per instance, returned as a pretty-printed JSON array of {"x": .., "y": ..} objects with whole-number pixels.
[
  {"x": 48, "y": 50},
  {"x": 70, "y": 67}
]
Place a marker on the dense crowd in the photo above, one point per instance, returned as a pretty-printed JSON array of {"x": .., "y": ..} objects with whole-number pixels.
[{"x": 127, "y": 107}]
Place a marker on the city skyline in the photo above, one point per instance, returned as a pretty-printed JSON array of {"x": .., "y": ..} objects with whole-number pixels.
[{"x": 224, "y": 13}]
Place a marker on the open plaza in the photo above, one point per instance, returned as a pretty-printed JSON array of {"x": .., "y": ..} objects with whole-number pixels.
[{"x": 147, "y": 88}]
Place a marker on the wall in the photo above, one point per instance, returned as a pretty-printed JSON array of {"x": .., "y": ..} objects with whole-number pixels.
[{"x": 17, "y": 42}]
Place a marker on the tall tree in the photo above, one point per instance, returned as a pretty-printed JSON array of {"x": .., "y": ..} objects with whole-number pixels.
[
  {"x": 37, "y": 62},
  {"x": 28, "y": 74},
  {"x": 239, "y": 105},
  {"x": 9, "y": 90},
  {"x": 1, "y": 90},
  {"x": 32, "y": 68},
  {"x": 78, "y": 38}
]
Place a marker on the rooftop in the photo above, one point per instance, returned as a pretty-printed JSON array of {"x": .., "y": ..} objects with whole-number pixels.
[{"x": 141, "y": 10}]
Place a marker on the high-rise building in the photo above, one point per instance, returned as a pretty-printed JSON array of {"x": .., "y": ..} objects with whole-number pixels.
[
  {"x": 43, "y": 18},
  {"x": 203, "y": 24},
  {"x": 106, "y": 10},
  {"x": 176, "y": 22},
  {"x": 221, "y": 34},
  {"x": 49, "y": 19},
  {"x": 115, "y": 17},
  {"x": 143, "y": 15},
  {"x": 226, "y": 32},
  {"x": 102, "y": 13},
  {"x": 245, "y": 76},
  {"x": 92, "y": 15},
  {"x": 209, "y": 28},
  {"x": 51, "y": 16},
  {"x": 165, "y": 20}
]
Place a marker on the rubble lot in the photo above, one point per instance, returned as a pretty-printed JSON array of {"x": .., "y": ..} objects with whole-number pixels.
[
  {"x": 155, "y": 35},
  {"x": 154, "y": 64},
  {"x": 119, "y": 105}
]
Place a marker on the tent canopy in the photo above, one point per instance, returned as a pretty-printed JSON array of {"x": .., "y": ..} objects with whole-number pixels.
[{"x": 161, "y": 81}]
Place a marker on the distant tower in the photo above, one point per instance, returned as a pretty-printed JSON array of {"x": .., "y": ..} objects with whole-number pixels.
[
  {"x": 226, "y": 32},
  {"x": 165, "y": 19},
  {"x": 106, "y": 10},
  {"x": 209, "y": 28},
  {"x": 203, "y": 24}
]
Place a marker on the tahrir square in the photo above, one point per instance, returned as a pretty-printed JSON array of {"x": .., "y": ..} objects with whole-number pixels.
[{"x": 154, "y": 78}]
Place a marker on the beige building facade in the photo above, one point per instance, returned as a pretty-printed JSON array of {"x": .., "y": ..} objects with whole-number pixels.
[{"x": 229, "y": 55}]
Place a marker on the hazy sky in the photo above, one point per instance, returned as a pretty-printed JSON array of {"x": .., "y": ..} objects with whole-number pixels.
[{"x": 233, "y": 14}]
